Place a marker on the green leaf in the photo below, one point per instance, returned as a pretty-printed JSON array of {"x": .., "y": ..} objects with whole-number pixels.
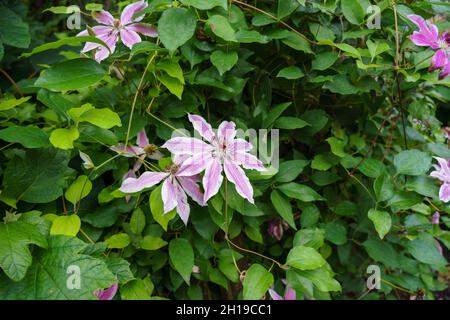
[
  {"x": 321, "y": 278},
  {"x": 79, "y": 189},
  {"x": 63, "y": 9},
  {"x": 182, "y": 257},
  {"x": 324, "y": 60},
  {"x": 274, "y": 113},
  {"x": 412, "y": 162},
  {"x": 337, "y": 146},
  {"x": 176, "y": 26},
  {"x": 29, "y": 137},
  {"x": 300, "y": 192},
  {"x": 104, "y": 118},
  {"x": 424, "y": 249},
  {"x": 174, "y": 85},
  {"x": 376, "y": 48},
  {"x": 383, "y": 187},
  {"x": 289, "y": 170},
  {"x": 39, "y": 177},
  {"x": 157, "y": 209},
  {"x": 139, "y": 289},
  {"x": 94, "y": 7},
  {"x": 224, "y": 61},
  {"x": 304, "y": 258},
  {"x": 15, "y": 257},
  {"x": 206, "y": 4},
  {"x": 118, "y": 241},
  {"x": 336, "y": 233},
  {"x": 286, "y": 7},
  {"x": 381, "y": 220},
  {"x": 256, "y": 282},
  {"x": 372, "y": 168},
  {"x": 353, "y": 11},
  {"x": 70, "y": 41},
  {"x": 55, "y": 270},
  {"x": 11, "y": 103},
  {"x": 71, "y": 75},
  {"x": 172, "y": 68},
  {"x": 66, "y": 226},
  {"x": 297, "y": 42},
  {"x": 290, "y": 123},
  {"x": 290, "y": 73},
  {"x": 221, "y": 27},
  {"x": 64, "y": 138},
  {"x": 283, "y": 207},
  {"x": 137, "y": 221},
  {"x": 13, "y": 31},
  {"x": 152, "y": 243}
]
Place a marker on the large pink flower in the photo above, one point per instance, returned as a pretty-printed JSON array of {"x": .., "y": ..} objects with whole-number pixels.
[
  {"x": 221, "y": 151},
  {"x": 177, "y": 183},
  {"x": 442, "y": 173},
  {"x": 428, "y": 36},
  {"x": 126, "y": 28}
]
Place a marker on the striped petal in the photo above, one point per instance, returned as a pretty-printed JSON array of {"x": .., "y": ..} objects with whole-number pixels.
[
  {"x": 169, "y": 195},
  {"x": 212, "y": 180},
  {"x": 202, "y": 127},
  {"x": 146, "y": 180},
  {"x": 237, "y": 176}
]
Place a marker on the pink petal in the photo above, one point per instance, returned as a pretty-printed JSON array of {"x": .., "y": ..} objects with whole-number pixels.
[
  {"x": 100, "y": 31},
  {"x": 107, "y": 294},
  {"x": 130, "y": 11},
  {"x": 104, "y": 17},
  {"x": 290, "y": 294},
  {"x": 169, "y": 195},
  {"x": 183, "y": 208},
  {"x": 129, "y": 38},
  {"x": 184, "y": 145},
  {"x": 428, "y": 34},
  {"x": 202, "y": 127},
  {"x": 190, "y": 186},
  {"x": 274, "y": 295},
  {"x": 239, "y": 145},
  {"x": 144, "y": 28},
  {"x": 248, "y": 161},
  {"x": 226, "y": 131},
  {"x": 443, "y": 166},
  {"x": 142, "y": 140},
  {"x": 194, "y": 165},
  {"x": 146, "y": 180},
  {"x": 444, "y": 192},
  {"x": 439, "y": 60},
  {"x": 103, "y": 52},
  {"x": 445, "y": 72},
  {"x": 237, "y": 176},
  {"x": 212, "y": 180},
  {"x": 129, "y": 151}
]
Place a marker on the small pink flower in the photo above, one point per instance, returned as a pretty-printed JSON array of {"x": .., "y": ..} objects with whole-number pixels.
[
  {"x": 442, "y": 173},
  {"x": 428, "y": 36},
  {"x": 107, "y": 294},
  {"x": 177, "y": 183},
  {"x": 126, "y": 28},
  {"x": 221, "y": 151},
  {"x": 289, "y": 293}
]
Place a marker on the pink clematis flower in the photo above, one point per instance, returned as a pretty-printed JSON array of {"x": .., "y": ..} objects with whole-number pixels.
[
  {"x": 276, "y": 228},
  {"x": 442, "y": 173},
  {"x": 126, "y": 28},
  {"x": 428, "y": 36},
  {"x": 221, "y": 151},
  {"x": 107, "y": 294},
  {"x": 141, "y": 150},
  {"x": 289, "y": 293},
  {"x": 177, "y": 183}
]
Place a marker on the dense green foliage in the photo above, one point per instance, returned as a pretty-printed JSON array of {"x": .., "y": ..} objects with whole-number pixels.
[{"x": 359, "y": 116}]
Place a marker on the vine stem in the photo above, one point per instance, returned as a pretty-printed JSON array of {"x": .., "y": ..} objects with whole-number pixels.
[
  {"x": 12, "y": 81},
  {"x": 136, "y": 96},
  {"x": 274, "y": 18},
  {"x": 235, "y": 245}
]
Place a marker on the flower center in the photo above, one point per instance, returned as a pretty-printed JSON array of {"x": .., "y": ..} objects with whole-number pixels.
[
  {"x": 173, "y": 169},
  {"x": 150, "y": 149},
  {"x": 443, "y": 44},
  {"x": 117, "y": 24}
]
